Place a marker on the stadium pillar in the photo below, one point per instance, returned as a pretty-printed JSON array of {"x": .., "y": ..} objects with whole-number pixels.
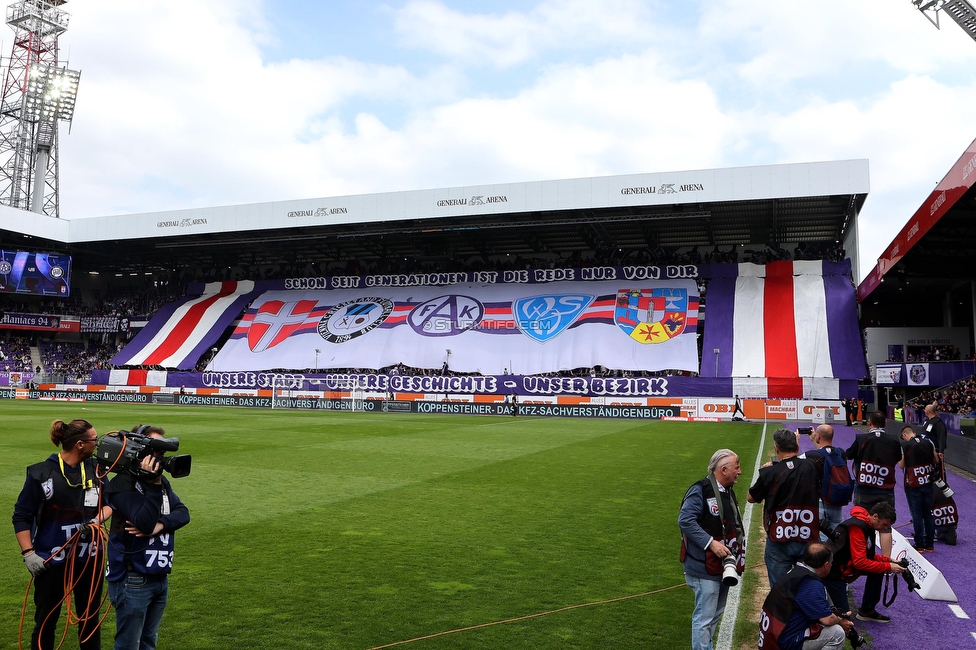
[{"x": 972, "y": 322}]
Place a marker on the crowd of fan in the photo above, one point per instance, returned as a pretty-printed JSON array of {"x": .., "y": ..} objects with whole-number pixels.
[
  {"x": 604, "y": 257},
  {"x": 74, "y": 361},
  {"x": 15, "y": 355},
  {"x": 925, "y": 353},
  {"x": 134, "y": 304},
  {"x": 957, "y": 398}
]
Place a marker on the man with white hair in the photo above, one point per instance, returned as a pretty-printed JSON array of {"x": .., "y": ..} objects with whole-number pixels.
[{"x": 711, "y": 534}]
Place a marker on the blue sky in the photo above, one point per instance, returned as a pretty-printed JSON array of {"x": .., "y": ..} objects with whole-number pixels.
[{"x": 192, "y": 103}]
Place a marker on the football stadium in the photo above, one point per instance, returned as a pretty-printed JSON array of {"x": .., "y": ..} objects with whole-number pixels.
[{"x": 467, "y": 417}]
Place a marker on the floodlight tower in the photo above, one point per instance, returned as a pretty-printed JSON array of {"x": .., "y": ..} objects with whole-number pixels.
[
  {"x": 961, "y": 11},
  {"x": 37, "y": 93}
]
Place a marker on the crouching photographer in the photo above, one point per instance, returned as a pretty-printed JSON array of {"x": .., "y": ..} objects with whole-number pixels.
[
  {"x": 797, "y": 614},
  {"x": 855, "y": 554},
  {"x": 141, "y": 541}
]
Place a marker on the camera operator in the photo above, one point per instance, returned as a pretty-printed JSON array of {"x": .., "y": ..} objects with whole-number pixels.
[
  {"x": 790, "y": 489},
  {"x": 141, "y": 548},
  {"x": 919, "y": 463},
  {"x": 62, "y": 496},
  {"x": 875, "y": 455},
  {"x": 796, "y": 614},
  {"x": 855, "y": 555},
  {"x": 711, "y": 543}
]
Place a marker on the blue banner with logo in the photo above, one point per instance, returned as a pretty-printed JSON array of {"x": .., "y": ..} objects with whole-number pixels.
[{"x": 479, "y": 328}]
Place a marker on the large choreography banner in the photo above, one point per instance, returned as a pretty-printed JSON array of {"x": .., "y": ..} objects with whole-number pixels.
[
  {"x": 783, "y": 321},
  {"x": 482, "y": 328},
  {"x": 183, "y": 331}
]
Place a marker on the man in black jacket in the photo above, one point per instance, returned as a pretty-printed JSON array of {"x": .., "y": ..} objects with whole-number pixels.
[
  {"x": 711, "y": 534},
  {"x": 142, "y": 548},
  {"x": 875, "y": 455},
  {"x": 790, "y": 490},
  {"x": 797, "y": 614}
]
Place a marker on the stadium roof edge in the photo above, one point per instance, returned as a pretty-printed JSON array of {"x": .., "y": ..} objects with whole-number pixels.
[
  {"x": 34, "y": 224},
  {"x": 694, "y": 187},
  {"x": 953, "y": 186}
]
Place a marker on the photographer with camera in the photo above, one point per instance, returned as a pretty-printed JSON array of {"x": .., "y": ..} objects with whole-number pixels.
[
  {"x": 712, "y": 549},
  {"x": 875, "y": 455},
  {"x": 789, "y": 488},
  {"x": 57, "y": 521},
  {"x": 141, "y": 544},
  {"x": 919, "y": 464},
  {"x": 797, "y": 614},
  {"x": 855, "y": 555}
]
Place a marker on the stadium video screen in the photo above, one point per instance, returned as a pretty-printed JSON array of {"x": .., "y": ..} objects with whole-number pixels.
[{"x": 42, "y": 274}]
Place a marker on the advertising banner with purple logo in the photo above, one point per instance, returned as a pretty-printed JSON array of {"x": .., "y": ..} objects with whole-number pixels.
[
  {"x": 918, "y": 374},
  {"x": 490, "y": 329}
]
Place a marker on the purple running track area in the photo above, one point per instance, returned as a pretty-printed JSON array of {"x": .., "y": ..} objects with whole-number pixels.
[{"x": 918, "y": 624}]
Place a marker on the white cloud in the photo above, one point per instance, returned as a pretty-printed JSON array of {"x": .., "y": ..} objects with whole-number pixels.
[
  {"x": 515, "y": 37},
  {"x": 178, "y": 107}
]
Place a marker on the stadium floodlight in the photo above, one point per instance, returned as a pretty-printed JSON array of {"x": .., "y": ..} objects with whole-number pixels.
[
  {"x": 961, "y": 11},
  {"x": 51, "y": 93}
]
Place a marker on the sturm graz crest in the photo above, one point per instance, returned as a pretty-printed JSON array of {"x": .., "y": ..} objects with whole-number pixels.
[
  {"x": 542, "y": 318},
  {"x": 353, "y": 318}
]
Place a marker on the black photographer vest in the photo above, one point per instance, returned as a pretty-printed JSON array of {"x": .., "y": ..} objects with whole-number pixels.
[
  {"x": 63, "y": 511},
  {"x": 728, "y": 530},
  {"x": 841, "y": 546},
  {"x": 877, "y": 458},
  {"x": 792, "y": 507},
  {"x": 777, "y": 609},
  {"x": 146, "y": 555},
  {"x": 919, "y": 462}
]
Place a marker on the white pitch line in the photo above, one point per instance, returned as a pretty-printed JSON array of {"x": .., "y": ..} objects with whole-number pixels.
[
  {"x": 725, "y": 630},
  {"x": 959, "y": 612},
  {"x": 974, "y": 635}
]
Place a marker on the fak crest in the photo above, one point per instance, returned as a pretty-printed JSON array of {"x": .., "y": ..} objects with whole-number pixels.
[
  {"x": 353, "y": 318},
  {"x": 446, "y": 315},
  {"x": 542, "y": 318},
  {"x": 651, "y": 315}
]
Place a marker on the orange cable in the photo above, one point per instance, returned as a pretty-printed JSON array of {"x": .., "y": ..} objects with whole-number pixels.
[{"x": 523, "y": 618}]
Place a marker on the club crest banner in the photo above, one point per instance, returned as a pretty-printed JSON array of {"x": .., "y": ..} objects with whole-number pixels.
[
  {"x": 471, "y": 328},
  {"x": 651, "y": 315}
]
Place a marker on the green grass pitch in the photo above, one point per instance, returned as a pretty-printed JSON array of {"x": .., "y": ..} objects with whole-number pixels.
[{"x": 350, "y": 530}]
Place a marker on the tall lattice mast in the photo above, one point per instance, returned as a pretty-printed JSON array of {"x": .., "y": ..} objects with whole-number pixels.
[
  {"x": 961, "y": 11},
  {"x": 36, "y": 95}
]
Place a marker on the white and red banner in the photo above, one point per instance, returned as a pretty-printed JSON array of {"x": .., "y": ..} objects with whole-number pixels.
[
  {"x": 119, "y": 377},
  {"x": 788, "y": 323}
]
